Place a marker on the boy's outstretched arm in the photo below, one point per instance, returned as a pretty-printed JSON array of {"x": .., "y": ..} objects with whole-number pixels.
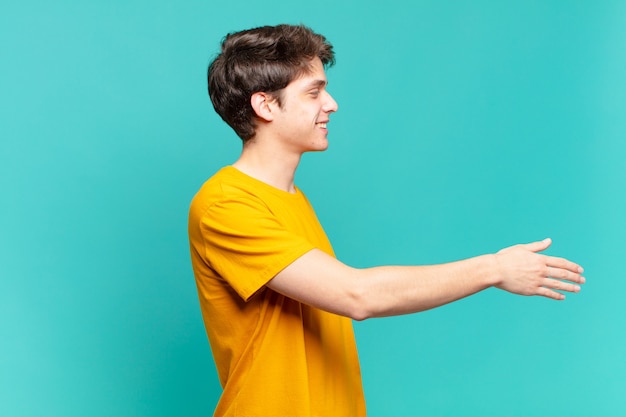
[{"x": 324, "y": 282}]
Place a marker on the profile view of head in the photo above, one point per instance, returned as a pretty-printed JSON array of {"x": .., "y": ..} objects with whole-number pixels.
[{"x": 264, "y": 59}]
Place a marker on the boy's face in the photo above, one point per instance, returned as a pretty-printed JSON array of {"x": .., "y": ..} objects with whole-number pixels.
[{"x": 300, "y": 123}]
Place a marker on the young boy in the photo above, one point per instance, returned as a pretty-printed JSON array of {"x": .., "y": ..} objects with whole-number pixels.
[{"x": 277, "y": 305}]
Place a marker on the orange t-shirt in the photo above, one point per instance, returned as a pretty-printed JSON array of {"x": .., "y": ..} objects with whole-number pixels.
[{"x": 274, "y": 355}]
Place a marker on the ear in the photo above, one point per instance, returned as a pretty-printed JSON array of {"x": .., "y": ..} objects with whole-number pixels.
[{"x": 262, "y": 103}]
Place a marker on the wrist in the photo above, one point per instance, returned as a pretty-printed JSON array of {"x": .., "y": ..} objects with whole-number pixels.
[{"x": 494, "y": 274}]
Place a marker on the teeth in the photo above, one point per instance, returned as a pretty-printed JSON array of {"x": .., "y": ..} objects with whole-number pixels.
[{"x": 322, "y": 125}]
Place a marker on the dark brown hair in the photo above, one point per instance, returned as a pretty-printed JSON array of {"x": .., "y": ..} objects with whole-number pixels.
[{"x": 263, "y": 59}]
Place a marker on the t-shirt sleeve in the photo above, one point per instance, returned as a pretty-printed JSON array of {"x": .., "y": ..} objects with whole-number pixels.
[{"x": 247, "y": 245}]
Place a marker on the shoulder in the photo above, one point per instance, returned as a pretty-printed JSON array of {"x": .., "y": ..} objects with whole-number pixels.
[
  {"x": 229, "y": 197},
  {"x": 225, "y": 184}
]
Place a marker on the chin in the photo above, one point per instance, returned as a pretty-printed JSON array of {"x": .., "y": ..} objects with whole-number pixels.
[{"x": 319, "y": 148}]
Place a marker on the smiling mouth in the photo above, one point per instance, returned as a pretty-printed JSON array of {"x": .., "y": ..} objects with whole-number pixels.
[{"x": 322, "y": 125}]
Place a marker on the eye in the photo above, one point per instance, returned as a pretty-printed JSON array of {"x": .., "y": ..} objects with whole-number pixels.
[{"x": 314, "y": 93}]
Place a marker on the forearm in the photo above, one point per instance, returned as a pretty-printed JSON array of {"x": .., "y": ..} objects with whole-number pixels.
[{"x": 395, "y": 290}]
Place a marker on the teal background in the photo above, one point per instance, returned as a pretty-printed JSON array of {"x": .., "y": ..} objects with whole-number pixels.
[{"x": 463, "y": 127}]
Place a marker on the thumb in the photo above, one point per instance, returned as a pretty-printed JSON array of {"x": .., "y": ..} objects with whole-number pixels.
[{"x": 538, "y": 246}]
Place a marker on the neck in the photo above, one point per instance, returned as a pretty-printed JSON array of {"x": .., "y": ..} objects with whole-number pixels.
[{"x": 269, "y": 164}]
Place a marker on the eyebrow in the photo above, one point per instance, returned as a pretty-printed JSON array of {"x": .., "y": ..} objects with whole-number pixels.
[{"x": 317, "y": 83}]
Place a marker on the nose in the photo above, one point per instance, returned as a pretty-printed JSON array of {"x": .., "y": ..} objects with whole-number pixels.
[{"x": 330, "y": 105}]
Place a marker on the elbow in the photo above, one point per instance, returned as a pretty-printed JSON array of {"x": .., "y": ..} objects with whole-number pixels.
[
  {"x": 359, "y": 306},
  {"x": 360, "y": 315}
]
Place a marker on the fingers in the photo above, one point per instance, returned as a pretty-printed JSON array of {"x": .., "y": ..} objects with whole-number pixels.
[{"x": 551, "y": 286}]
